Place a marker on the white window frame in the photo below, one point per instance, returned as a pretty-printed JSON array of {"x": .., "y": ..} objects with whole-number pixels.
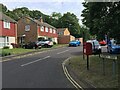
[
  {"x": 60, "y": 33},
  {"x": 27, "y": 27},
  {"x": 46, "y": 29},
  {"x": 54, "y": 31},
  {"x": 6, "y": 24},
  {"x": 51, "y": 30},
  {"x": 42, "y": 28}
]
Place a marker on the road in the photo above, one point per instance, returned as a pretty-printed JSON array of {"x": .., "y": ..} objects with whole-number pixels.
[{"x": 42, "y": 70}]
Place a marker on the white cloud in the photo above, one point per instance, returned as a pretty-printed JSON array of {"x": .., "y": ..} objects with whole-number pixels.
[
  {"x": 41, "y": 1},
  {"x": 49, "y": 7}
]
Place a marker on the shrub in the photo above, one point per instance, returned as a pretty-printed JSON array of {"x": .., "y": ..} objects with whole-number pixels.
[
  {"x": 5, "y": 54},
  {"x": 15, "y": 45},
  {"x": 54, "y": 43},
  {"x": 6, "y": 47}
]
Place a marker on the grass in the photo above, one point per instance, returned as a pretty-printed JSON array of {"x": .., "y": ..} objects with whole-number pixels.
[
  {"x": 22, "y": 50},
  {"x": 17, "y": 50},
  {"x": 95, "y": 74}
]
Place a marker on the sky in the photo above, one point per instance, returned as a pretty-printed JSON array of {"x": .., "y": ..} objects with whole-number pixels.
[{"x": 48, "y": 6}]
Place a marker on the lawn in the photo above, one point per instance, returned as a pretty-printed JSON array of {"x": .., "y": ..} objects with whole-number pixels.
[
  {"x": 6, "y": 52},
  {"x": 95, "y": 75}
]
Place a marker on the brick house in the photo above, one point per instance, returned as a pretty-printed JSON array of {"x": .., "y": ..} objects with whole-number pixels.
[
  {"x": 64, "y": 36},
  {"x": 31, "y": 30},
  {"x": 8, "y": 30}
]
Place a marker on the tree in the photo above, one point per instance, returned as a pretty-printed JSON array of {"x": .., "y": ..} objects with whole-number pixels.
[
  {"x": 56, "y": 15},
  {"x": 3, "y": 8},
  {"x": 35, "y": 14},
  {"x": 85, "y": 30},
  {"x": 20, "y": 12},
  {"x": 70, "y": 21},
  {"x": 101, "y": 18}
]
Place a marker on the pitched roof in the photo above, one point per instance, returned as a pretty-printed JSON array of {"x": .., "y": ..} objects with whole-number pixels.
[
  {"x": 40, "y": 23},
  {"x": 5, "y": 17},
  {"x": 60, "y": 30},
  {"x": 44, "y": 24}
]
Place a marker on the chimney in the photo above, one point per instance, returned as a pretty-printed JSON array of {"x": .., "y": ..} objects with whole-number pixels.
[{"x": 41, "y": 19}]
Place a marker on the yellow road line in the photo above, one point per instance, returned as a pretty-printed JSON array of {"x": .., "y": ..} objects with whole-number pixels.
[{"x": 75, "y": 84}]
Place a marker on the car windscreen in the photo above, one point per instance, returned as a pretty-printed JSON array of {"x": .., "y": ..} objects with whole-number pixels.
[{"x": 96, "y": 42}]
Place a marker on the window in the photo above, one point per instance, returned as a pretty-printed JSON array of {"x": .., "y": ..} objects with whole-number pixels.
[
  {"x": 60, "y": 33},
  {"x": 7, "y": 41},
  {"x": 27, "y": 28},
  {"x": 50, "y": 30},
  {"x": 42, "y": 28},
  {"x": 54, "y": 31},
  {"x": 6, "y": 24},
  {"x": 46, "y": 29}
]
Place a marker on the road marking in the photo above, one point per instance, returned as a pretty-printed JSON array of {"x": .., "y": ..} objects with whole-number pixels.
[
  {"x": 63, "y": 52},
  {"x": 75, "y": 84},
  {"x": 18, "y": 57},
  {"x": 35, "y": 61}
]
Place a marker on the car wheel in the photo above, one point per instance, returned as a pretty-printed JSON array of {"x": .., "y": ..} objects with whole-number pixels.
[
  {"x": 76, "y": 45},
  {"x": 46, "y": 46},
  {"x": 110, "y": 52}
]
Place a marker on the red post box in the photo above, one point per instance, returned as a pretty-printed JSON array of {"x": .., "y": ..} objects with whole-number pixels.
[{"x": 88, "y": 48}]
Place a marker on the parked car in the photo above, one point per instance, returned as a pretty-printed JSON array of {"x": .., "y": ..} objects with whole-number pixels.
[
  {"x": 74, "y": 43},
  {"x": 46, "y": 43},
  {"x": 113, "y": 48},
  {"x": 102, "y": 42},
  {"x": 96, "y": 48},
  {"x": 32, "y": 45}
]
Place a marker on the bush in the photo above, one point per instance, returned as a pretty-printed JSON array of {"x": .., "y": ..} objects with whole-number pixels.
[
  {"x": 5, "y": 54},
  {"x": 15, "y": 45},
  {"x": 54, "y": 43},
  {"x": 6, "y": 47}
]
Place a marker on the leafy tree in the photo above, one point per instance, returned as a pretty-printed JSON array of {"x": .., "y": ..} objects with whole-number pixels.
[
  {"x": 20, "y": 12},
  {"x": 56, "y": 15},
  {"x": 71, "y": 21},
  {"x": 102, "y": 18},
  {"x": 68, "y": 20},
  {"x": 86, "y": 34},
  {"x": 35, "y": 14},
  {"x": 3, "y": 8}
]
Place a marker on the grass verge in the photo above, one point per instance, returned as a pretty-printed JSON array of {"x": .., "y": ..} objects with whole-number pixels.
[
  {"x": 5, "y": 52},
  {"x": 95, "y": 75}
]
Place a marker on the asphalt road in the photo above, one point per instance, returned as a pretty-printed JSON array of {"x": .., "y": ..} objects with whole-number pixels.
[{"x": 42, "y": 70}]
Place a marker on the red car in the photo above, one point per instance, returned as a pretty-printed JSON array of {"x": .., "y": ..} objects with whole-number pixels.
[{"x": 102, "y": 43}]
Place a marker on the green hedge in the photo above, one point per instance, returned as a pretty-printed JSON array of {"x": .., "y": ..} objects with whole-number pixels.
[{"x": 3, "y": 53}]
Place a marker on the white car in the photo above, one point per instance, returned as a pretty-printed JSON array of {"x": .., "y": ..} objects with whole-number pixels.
[
  {"x": 46, "y": 43},
  {"x": 96, "y": 48}
]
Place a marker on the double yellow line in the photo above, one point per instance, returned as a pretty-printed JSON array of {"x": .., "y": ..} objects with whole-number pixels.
[{"x": 75, "y": 84}]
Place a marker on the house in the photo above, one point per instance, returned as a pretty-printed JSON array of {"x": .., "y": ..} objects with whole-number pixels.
[
  {"x": 63, "y": 31},
  {"x": 8, "y": 30},
  {"x": 31, "y": 30},
  {"x": 64, "y": 36}
]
